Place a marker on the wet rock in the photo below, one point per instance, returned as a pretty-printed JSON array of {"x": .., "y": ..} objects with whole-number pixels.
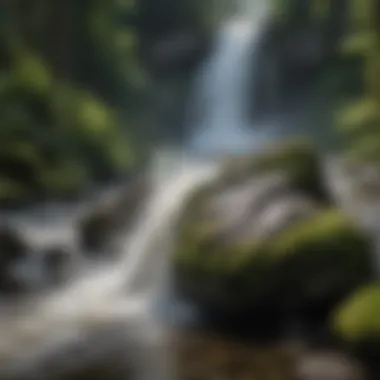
[
  {"x": 282, "y": 213},
  {"x": 12, "y": 245},
  {"x": 101, "y": 225},
  {"x": 59, "y": 263},
  {"x": 96, "y": 229},
  {"x": 13, "y": 249}
]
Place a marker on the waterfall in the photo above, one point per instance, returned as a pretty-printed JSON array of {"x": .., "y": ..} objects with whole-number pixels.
[
  {"x": 127, "y": 291},
  {"x": 220, "y": 121}
]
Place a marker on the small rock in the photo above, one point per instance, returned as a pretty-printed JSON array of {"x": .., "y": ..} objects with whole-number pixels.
[
  {"x": 59, "y": 263},
  {"x": 13, "y": 249},
  {"x": 11, "y": 244},
  {"x": 327, "y": 366},
  {"x": 102, "y": 224}
]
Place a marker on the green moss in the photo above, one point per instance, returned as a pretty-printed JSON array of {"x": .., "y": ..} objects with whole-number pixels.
[
  {"x": 312, "y": 262},
  {"x": 297, "y": 158},
  {"x": 321, "y": 258},
  {"x": 357, "y": 319}
]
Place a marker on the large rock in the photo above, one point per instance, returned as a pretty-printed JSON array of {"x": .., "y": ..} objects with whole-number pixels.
[{"x": 264, "y": 237}]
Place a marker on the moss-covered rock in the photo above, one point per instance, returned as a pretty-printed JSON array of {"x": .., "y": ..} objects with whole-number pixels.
[
  {"x": 297, "y": 158},
  {"x": 357, "y": 321},
  {"x": 264, "y": 236},
  {"x": 321, "y": 259},
  {"x": 311, "y": 263}
]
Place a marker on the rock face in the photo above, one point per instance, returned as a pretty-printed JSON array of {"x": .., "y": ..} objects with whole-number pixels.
[{"x": 266, "y": 236}]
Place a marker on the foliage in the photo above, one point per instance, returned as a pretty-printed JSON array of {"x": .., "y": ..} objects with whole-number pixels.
[
  {"x": 54, "y": 138},
  {"x": 72, "y": 88},
  {"x": 359, "y": 122}
]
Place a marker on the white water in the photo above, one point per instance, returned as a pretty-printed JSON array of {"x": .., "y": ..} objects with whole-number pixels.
[
  {"x": 220, "y": 120},
  {"x": 127, "y": 292}
]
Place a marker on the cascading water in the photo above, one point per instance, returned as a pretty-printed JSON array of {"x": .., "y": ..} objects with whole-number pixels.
[
  {"x": 127, "y": 291},
  {"x": 219, "y": 111},
  {"x": 123, "y": 293}
]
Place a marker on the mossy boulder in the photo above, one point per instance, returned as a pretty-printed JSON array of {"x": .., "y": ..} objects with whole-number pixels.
[
  {"x": 297, "y": 158},
  {"x": 357, "y": 321},
  {"x": 309, "y": 264},
  {"x": 321, "y": 259}
]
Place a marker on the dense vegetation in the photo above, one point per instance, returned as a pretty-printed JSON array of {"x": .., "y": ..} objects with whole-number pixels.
[{"x": 74, "y": 79}]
